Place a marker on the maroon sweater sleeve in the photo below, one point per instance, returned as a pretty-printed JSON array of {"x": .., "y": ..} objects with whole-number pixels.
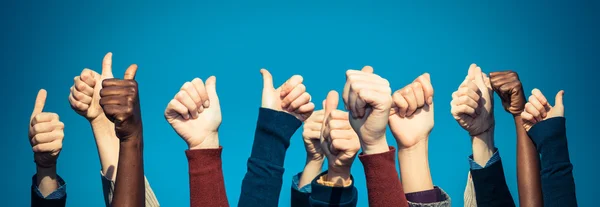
[
  {"x": 207, "y": 187},
  {"x": 383, "y": 184}
]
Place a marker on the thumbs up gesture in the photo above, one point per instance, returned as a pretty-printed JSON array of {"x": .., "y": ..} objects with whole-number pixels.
[
  {"x": 538, "y": 108},
  {"x": 290, "y": 97},
  {"x": 338, "y": 140},
  {"x": 411, "y": 117},
  {"x": 195, "y": 113},
  {"x": 509, "y": 88},
  {"x": 85, "y": 92},
  {"x": 120, "y": 101},
  {"x": 46, "y": 133},
  {"x": 473, "y": 103},
  {"x": 368, "y": 98}
]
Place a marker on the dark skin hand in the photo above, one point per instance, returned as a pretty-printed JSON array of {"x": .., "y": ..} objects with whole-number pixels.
[
  {"x": 508, "y": 86},
  {"x": 120, "y": 101}
]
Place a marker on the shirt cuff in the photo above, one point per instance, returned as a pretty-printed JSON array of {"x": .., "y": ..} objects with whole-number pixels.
[
  {"x": 495, "y": 157},
  {"x": 296, "y": 182},
  {"x": 59, "y": 193},
  {"x": 428, "y": 196}
]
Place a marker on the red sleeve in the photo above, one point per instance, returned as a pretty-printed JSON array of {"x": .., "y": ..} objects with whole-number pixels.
[
  {"x": 383, "y": 184},
  {"x": 207, "y": 187}
]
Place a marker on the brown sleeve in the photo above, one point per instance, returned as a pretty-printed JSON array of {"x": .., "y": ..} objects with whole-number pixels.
[
  {"x": 207, "y": 187},
  {"x": 528, "y": 169},
  {"x": 129, "y": 185},
  {"x": 383, "y": 184}
]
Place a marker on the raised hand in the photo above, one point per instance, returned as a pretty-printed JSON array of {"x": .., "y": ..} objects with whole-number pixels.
[
  {"x": 195, "y": 113},
  {"x": 538, "y": 108},
  {"x": 368, "y": 98},
  {"x": 46, "y": 133},
  {"x": 473, "y": 104},
  {"x": 85, "y": 92},
  {"x": 291, "y": 97},
  {"x": 311, "y": 135},
  {"x": 339, "y": 142},
  {"x": 411, "y": 118},
  {"x": 508, "y": 86},
  {"x": 120, "y": 101}
]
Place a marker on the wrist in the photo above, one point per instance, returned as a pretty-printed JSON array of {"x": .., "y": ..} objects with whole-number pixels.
[
  {"x": 45, "y": 171},
  {"x": 380, "y": 146},
  {"x": 338, "y": 175},
  {"x": 415, "y": 171},
  {"x": 483, "y": 146},
  {"x": 133, "y": 144},
  {"x": 210, "y": 141}
]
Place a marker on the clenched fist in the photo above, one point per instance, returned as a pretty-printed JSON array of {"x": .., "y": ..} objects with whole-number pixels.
[
  {"x": 120, "y": 101},
  {"x": 85, "y": 92},
  {"x": 46, "y": 133},
  {"x": 290, "y": 97},
  {"x": 368, "y": 98},
  {"x": 195, "y": 113},
  {"x": 411, "y": 118},
  {"x": 338, "y": 140},
  {"x": 311, "y": 135},
  {"x": 508, "y": 86},
  {"x": 538, "y": 108},
  {"x": 473, "y": 103}
]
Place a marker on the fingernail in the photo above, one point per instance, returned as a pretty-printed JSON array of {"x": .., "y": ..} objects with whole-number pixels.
[
  {"x": 206, "y": 104},
  {"x": 430, "y": 100}
]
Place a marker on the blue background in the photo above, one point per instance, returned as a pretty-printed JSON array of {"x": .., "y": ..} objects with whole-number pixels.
[{"x": 552, "y": 44}]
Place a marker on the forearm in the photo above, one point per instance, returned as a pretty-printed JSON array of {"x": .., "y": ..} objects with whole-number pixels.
[
  {"x": 47, "y": 181},
  {"x": 129, "y": 187},
  {"x": 311, "y": 170},
  {"x": 528, "y": 168},
  {"x": 108, "y": 148},
  {"x": 483, "y": 147},
  {"x": 414, "y": 167}
]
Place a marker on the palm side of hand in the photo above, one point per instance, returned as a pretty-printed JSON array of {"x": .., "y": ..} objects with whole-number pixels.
[{"x": 411, "y": 130}]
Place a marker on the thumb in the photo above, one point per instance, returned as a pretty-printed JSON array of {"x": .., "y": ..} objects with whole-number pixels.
[
  {"x": 558, "y": 102},
  {"x": 367, "y": 69},
  {"x": 331, "y": 103},
  {"x": 267, "y": 79},
  {"x": 130, "y": 72},
  {"x": 107, "y": 66},
  {"x": 211, "y": 88},
  {"x": 40, "y": 101}
]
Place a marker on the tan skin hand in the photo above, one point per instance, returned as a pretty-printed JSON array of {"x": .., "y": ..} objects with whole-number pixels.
[
  {"x": 195, "y": 114},
  {"x": 311, "y": 135},
  {"x": 538, "y": 108},
  {"x": 46, "y": 133},
  {"x": 472, "y": 104},
  {"x": 291, "y": 97},
  {"x": 84, "y": 95},
  {"x": 411, "y": 118}
]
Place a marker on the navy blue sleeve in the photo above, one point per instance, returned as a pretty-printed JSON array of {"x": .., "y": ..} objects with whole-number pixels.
[
  {"x": 490, "y": 186},
  {"x": 325, "y": 196},
  {"x": 558, "y": 184},
  {"x": 262, "y": 183},
  {"x": 57, "y": 198},
  {"x": 300, "y": 196}
]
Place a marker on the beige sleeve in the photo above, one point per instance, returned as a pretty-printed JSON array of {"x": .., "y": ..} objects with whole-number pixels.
[
  {"x": 108, "y": 187},
  {"x": 470, "y": 200}
]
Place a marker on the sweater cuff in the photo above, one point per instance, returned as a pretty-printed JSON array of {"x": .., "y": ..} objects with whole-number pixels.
[
  {"x": 427, "y": 196},
  {"x": 334, "y": 196},
  {"x": 548, "y": 132},
  {"x": 274, "y": 130},
  {"x": 204, "y": 160}
]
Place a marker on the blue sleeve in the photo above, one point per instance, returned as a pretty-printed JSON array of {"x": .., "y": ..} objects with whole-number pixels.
[
  {"x": 558, "y": 184},
  {"x": 490, "y": 184},
  {"x": 300, "y": 196},
  {"x": 58, "y": 198},
  {"x": 325, "y": 196},
  {"x": 495, "y": 158},
  {"x": 262, "y": 183}
]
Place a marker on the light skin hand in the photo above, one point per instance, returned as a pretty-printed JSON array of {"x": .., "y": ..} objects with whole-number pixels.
[
  {"x": 315, "y": 157},
  {"x": 195, "y": 114},
  {"x": 472, "y": 107},
  {"x": 411, "y": 119},
  {"x": 339, "y": 142},
  {"x": 538, "y": 108},
  {"x": 46, "y": 133},
  {"x": 368, "y": 98},
  {"x": 84, "y": 99},
  {"x": 291, "y": 97}
]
